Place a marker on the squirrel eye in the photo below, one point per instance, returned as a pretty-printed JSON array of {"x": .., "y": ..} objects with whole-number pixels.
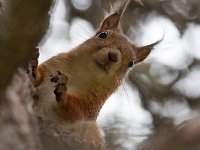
[
  {"x": 130, "y": 64},
  {"x": 103, "y": 35}
]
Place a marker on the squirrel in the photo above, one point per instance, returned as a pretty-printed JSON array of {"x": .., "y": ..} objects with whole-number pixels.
[{"x": 73, "y": 86}]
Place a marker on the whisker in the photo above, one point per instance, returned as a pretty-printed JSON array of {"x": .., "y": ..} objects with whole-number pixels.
[
  {"x": 84, "y": 30},
  {"x": 124, "y": 90},
  {"x": 77, "y": 37}
]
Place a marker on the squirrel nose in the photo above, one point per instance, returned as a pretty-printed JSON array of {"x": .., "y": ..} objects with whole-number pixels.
[{"x": 113, "y": 57}]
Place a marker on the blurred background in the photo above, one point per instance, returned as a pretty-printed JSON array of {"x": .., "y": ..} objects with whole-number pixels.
[{"x": 157, "y": 106}]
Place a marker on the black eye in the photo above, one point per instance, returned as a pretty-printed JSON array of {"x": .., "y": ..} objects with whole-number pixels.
[
  {"x": 103, "y": 35},
  {"x": 130, "y": 64}
]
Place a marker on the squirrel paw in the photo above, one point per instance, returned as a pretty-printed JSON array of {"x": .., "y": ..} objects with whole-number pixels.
[
  {"x": 33, "y": 63},
  {"x": 61, "y": 87}
]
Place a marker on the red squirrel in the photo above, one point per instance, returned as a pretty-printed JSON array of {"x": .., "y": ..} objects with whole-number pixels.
[{"x": 73, "y": 86}]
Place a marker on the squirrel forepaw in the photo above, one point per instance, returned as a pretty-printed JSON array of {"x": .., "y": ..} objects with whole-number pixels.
[{"x": 61, "y": 87}]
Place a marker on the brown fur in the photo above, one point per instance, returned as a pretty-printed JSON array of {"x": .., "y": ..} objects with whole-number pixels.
[{"x": 94, "y": 70}]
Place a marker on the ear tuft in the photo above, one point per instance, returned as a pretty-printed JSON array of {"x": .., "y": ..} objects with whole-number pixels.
[
  {"x": 113, "y": 20},
  {"x": 119, "y": 7}
]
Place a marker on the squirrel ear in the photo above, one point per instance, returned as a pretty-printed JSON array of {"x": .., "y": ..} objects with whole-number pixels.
[
  {"x": 110, "y": 22},
  {"x": 142, "y": 52},
  {"x": 113, "y": 20}
]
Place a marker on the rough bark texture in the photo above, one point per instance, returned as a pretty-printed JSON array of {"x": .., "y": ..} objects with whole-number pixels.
[{"x": 18, "y": 123}]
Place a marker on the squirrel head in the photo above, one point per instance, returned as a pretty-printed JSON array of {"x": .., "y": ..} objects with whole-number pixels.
[
  {"x": 109, "y": 53},
  {"x": 111, "y": 50}
]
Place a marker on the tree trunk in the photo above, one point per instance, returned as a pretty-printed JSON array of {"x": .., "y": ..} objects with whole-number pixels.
[{"x": 22, "y": 25}]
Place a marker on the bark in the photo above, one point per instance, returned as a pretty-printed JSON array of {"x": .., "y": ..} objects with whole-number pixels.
[
  {"x": 18, "y": 124},
  {"x": 167, "y": 137},
  {"x": 2, "y": 6},
  {"x": 23, "y": 24}
]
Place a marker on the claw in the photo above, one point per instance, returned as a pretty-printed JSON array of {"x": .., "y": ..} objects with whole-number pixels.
[{"x": 60, "y": 88}]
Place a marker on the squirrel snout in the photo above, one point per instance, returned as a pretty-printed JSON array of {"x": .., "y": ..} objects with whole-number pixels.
[
  {"x": 107, "y": 59},
  {"x": 113, "y": 56}
]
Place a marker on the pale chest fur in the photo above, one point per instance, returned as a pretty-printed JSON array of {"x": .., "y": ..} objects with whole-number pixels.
[
  {"x": 45, "y": 105},
  {"x": 90, "y": 85}
]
